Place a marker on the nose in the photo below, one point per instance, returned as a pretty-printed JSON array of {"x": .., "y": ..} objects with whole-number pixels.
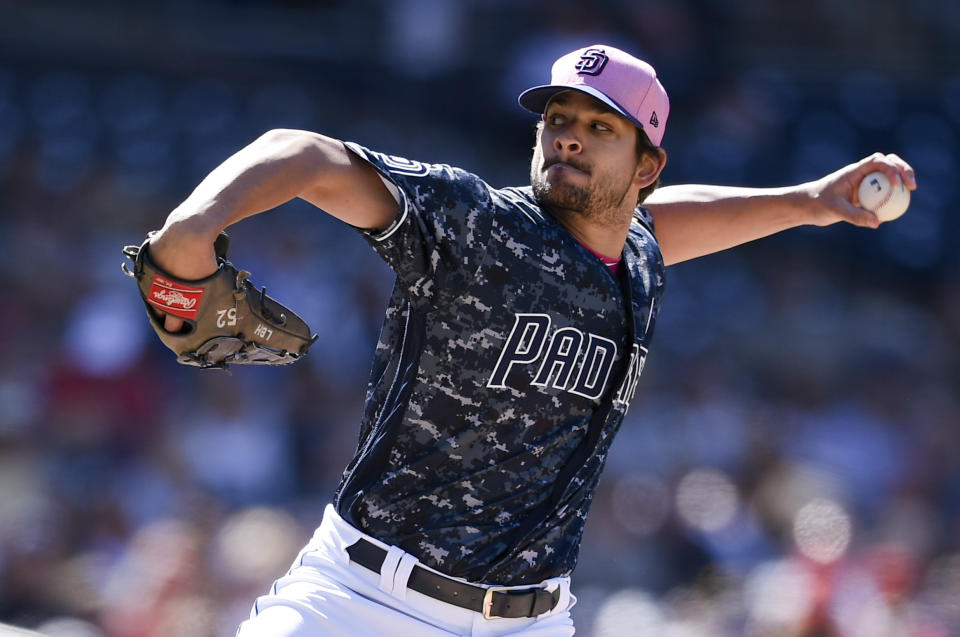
[{"x": 567, "y": 142}]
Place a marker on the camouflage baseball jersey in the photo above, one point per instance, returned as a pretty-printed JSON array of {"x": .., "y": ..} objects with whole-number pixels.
[{"x": 502, "y": 337}]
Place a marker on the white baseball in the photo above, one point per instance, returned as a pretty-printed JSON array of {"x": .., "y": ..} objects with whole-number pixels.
[{"x": 879, "y": 197}]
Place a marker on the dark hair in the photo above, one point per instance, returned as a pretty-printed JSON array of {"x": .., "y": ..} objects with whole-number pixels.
[{"x": 645, "y": 146}]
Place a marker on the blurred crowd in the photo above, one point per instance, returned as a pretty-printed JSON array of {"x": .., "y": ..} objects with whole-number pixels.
[{"x": 788, "y": 466}]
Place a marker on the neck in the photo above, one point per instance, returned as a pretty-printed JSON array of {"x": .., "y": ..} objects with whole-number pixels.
[{"x": 605, "y": 239}]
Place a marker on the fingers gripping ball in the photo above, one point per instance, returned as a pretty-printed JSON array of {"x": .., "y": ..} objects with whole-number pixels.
[
  {"x": 227, "y": 320},
  {"x": 880, "y": 197}
]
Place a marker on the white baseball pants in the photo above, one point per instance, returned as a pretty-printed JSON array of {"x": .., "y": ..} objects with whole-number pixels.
[{"x": 324, "y": 594}]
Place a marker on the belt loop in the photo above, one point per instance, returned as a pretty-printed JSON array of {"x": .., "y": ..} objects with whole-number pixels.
[
  {"x": 402, "y": 575},
  {"x": 560, "y": 589},
  {"x": 389, "y": 568}
]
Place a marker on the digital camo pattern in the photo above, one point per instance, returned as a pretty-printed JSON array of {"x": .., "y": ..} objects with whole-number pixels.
[{"x": 502, "y": 336}]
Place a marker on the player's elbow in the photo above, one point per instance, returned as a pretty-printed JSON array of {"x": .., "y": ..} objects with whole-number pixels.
[
  {"x": 286, "y": 136},
  {"x": 311, "y": 152},
  {"x": 293, "y": 141}
]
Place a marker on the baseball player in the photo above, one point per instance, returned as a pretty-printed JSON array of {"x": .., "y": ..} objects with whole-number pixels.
[{"x": 510, "y": 350}]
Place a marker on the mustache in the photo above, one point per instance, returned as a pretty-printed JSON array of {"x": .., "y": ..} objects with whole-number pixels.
[{"x": 571, "y": 162}]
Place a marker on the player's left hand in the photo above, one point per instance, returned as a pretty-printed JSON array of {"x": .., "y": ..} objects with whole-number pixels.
[
  {"x": 228, "y": 320},
  {"x": 834, "y": 197}
]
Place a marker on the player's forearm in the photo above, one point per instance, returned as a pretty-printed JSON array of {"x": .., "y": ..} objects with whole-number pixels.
[
  {"x": 279, "y": 166},
  {"x": 265, "y": 174},
  {"x": 695, "y": 220},
  {"x": 275, "y": 168}
]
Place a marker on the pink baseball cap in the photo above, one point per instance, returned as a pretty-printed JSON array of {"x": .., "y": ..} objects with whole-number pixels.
[{"x": 627, "y": 85}]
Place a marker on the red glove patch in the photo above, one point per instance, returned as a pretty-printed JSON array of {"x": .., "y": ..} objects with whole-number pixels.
[{"x": 174, "y": 298}]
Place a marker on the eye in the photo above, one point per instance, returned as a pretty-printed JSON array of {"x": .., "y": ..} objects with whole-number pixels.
[
  {"x": 601, "y": 127},
  {"x": 555, "y": 119}
]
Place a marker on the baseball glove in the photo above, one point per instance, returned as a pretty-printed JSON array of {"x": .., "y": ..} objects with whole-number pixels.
[{"x": 226, "y": 319}]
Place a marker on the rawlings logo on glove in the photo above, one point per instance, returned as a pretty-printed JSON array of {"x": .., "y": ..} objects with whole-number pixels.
[
  {"x": 226, "y": 319},
  {"x": 174, "y": 298}
]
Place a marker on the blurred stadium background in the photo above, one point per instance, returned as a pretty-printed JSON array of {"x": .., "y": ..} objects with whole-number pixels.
[{"x": 789, "y": 466}]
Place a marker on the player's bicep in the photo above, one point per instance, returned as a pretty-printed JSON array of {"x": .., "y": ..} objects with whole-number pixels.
[{"x": 350, "y": 189}]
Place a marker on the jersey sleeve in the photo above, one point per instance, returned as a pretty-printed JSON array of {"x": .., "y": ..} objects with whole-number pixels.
[{"x": 439, "y": 238}]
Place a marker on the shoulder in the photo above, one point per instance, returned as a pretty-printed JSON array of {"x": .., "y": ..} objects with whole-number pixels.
[
  {"x": 641, "y": 235},
  {"x": 397, "y": 166},
  {"x": 643, "y": 217},
  {"x": 519, "y": 200},
  {"x": 425, "y": 183}
]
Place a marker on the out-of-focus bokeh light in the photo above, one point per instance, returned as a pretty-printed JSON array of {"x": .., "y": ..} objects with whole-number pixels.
[
  {"x": 257, "y": 545},
  {"x": 867, "y": 618},
  {"x": 779, "y": 595},
  {"x": 102, "y": 337},
  {"x": 707, "y": 499},
  {"x": 628, "y": 612},
  {"x": 68, "y": 627},
  {"x": 822, "y": 530}
]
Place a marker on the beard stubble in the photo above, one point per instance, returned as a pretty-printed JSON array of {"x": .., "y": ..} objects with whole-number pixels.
[{"x": 600, "y": 202}]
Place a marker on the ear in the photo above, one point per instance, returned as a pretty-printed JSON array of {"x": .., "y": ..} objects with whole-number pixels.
[{"x": 649, "y": 167}]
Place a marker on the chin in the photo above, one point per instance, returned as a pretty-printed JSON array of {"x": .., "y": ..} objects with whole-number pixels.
[{"x": 561, "y": 196}]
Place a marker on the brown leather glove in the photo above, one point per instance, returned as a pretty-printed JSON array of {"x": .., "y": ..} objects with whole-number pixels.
[{"x": 226, "y": 319}]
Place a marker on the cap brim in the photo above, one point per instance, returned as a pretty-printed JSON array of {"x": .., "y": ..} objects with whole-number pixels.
[{"x": 536, "y": 99}]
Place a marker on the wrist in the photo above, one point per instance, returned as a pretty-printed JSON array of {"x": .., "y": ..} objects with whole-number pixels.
[
  {"x": 800, "y": 204},
  {"x": 193, "y": 226},
  {"x": 184, "y": 248}
]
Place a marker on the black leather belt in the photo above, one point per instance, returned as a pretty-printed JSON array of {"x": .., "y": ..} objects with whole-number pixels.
[{"x": 492, "y": 602}]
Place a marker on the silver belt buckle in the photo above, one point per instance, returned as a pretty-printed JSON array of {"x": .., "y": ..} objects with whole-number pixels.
[{"x": 488, "y": 601}]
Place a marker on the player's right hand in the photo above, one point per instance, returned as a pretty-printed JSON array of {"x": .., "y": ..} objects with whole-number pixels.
[
  {"x": 834, "y": 197},
  {"x": 186, "y": 254}
]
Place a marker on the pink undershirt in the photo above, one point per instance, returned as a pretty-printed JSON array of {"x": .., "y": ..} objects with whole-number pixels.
[{"x": 613, "y": 264}]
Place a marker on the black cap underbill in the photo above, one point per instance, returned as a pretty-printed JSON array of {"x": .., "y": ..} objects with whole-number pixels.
[{"x": 536, "y": 99}]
